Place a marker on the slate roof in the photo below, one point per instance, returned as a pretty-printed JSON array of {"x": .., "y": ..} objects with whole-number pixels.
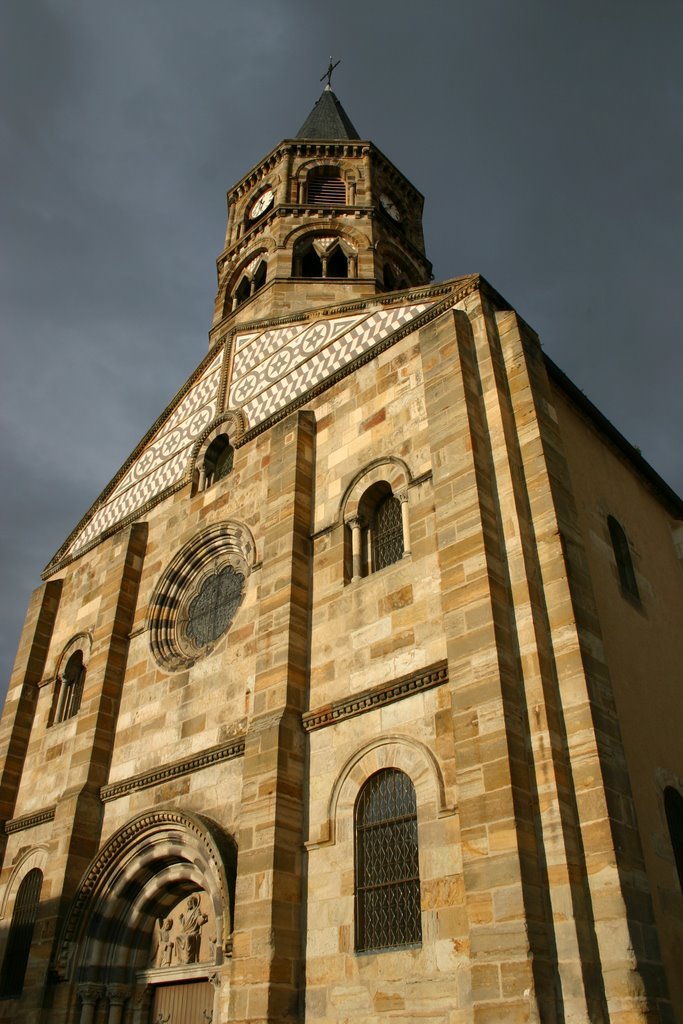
[{"x": 327, "y": 120}]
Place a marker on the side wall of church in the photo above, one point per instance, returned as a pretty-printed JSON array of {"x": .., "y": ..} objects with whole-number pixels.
[{"x": 643, "y": 646}]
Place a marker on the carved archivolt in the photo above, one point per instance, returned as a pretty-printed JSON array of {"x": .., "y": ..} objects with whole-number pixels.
[
  {"x": 36, "y": 857},
  {"x": 326, "y": 227},
  {"x": 80, "y": 642},
  {"x": 233, "y": 424},
  {"x": 402, "y": 752},
  {"x": 149, "y": 867},
  {"x": 390, "y": 469}
]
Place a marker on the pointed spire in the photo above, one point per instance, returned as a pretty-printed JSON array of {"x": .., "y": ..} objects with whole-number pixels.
[{"x": 327, "y": 120}]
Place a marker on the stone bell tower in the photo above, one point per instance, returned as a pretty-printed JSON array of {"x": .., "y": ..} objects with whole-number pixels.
[{"x": 324, "y": 218}]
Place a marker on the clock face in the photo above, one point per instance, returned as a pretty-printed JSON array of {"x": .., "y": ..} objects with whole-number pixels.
[
  {"x": 260, "y": 205},
  {"x": 390, "y": 206}
]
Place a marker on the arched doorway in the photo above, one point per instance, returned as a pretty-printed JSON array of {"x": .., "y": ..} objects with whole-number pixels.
[{"x": 150, "y": 928}]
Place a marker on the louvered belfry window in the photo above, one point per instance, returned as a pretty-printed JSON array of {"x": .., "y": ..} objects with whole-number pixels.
[
  {"x": 20, "y": 935},
  {"x": 326, "y": 190},
  {"x": 387, "y": 533},
  {"x": 387, "y": 867}
]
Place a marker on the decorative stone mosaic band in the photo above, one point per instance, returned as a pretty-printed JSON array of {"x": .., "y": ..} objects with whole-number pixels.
[
  {"x": 222, "y": 752},
  {"x": 164, "y": 460},
  {"x": 30, "y": 820},
  {"x": 368, "y": 700},
  {"x": 277, "y": 365},
  {"x": 299, "y": 360}
]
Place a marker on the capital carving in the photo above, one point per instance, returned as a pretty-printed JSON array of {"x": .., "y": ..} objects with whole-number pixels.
[
  {"x": 356, "y": 522},
  {"x": 117, "y": 994},
  {"x": 89, "y": 994}
]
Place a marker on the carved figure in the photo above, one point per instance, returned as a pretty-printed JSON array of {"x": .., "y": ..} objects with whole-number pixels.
[
  {"x": 191, "y": 923},
  {"x": 165, "y": 946}
]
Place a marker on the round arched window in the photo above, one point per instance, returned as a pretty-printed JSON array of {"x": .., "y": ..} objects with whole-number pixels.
[
  {"x": 210, "y": 613},
  {"x": 199, "y": 595}
]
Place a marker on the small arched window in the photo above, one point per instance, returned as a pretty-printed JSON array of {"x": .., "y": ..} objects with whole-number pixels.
[
  {"x": 68, "y": 690},
  {"x": 20, "y": 935},
  {"x": 622, "y": 555},
  {"x": 253, "y": 278},
  {"x": 386, "y": 863},
  {"x": 673, "y": 808},
  {"x": 378, "y": 533},
  {"x": 325, "y": 187},
  {"x": 218, "y": 461}
]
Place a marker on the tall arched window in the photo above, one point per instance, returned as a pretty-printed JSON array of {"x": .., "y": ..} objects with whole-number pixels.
[
  {"x": 218, "y": 461},
  {"x": 69, "y": 690},
  {"x": 20, "y": 935},
  {"x": 673, "y": 807},
  {"x": 622, "y": 555},
  {"x": 387, "y": 863}
]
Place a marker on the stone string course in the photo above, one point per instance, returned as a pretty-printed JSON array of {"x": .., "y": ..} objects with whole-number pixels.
[
  {"x": 222, "y": 752},
  {"x": 30, "y": 820},
  {"x": 435, "y": 675}
]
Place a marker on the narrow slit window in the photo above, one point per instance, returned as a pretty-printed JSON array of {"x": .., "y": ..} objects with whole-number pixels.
[{"x": 622, "y": 555}]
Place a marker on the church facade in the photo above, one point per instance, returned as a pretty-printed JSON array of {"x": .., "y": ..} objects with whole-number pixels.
[{"x": 356, "y": 694}]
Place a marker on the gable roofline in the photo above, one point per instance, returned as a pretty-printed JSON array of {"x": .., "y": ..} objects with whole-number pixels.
[
  {"x": 655, "y": 483},
  {"x": 444, "y": 294}
]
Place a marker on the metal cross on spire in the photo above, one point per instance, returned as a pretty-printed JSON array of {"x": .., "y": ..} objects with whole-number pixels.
[{"x": 328, "y": 73}]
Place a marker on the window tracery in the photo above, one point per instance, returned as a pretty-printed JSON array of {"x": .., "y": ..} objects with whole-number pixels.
[
  {"x": 199, "y": 595},
  {"x": 252, "y": 279},
  {"x": 324, "y": 256},
  {"x": 387, "y": 871},
  {"x": 378, "y": 530}
]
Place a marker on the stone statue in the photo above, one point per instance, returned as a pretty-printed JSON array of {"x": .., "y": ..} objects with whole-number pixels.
[
  {"x": 164, "y": 945},
  {"x": 192, "y": 920}
]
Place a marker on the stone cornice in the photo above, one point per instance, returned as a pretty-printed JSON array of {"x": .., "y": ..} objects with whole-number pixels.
[
  {"x": 30, "y": 820},
  {"x": 355, "y": 148},
  {"x": 368, "y": 700},
  {"x": 222, "y": 752}
]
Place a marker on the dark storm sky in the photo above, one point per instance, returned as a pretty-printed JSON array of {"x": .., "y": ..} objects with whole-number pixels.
[{"x": 546, "y": 139}]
